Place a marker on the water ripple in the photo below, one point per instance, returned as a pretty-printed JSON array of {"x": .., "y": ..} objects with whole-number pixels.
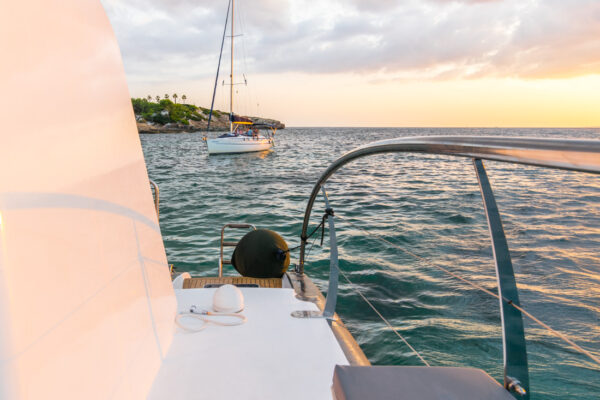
[{"x": 427, "y": 203}]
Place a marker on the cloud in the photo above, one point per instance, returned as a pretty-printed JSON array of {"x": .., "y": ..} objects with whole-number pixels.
[
  {"x": 374, "y": 6},
  {"x": 558, "y": 39},
  {"x": 435, "y": 39}
]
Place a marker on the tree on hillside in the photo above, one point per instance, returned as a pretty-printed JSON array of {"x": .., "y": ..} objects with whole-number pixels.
[
  {"x": 166, "y": 96},
  {"x": 184, "y": 97},
  {"x": 175, "y": 97},
  {"x": 157, "y": 99}
]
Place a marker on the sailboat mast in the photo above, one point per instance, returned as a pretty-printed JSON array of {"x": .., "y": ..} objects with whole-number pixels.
[{"x": 231, "y": 75}]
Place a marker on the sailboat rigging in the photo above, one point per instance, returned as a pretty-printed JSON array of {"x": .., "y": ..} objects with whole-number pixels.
[
  {"x": 212, "y": 103},
  {"x": 244, "y": 135}
]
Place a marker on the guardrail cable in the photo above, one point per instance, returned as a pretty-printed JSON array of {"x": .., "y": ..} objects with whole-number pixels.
[
  {"x": 383, "y": 318},
  {"x": 560, "y": 335}
]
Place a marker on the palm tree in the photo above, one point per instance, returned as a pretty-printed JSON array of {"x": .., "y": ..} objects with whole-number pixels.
[
  {"x": 157, "y": 99},
  {"x": 149, "y": 98},
  {"x": 167, "y": 96},
  {"x": 184, "y": 97},
  {"x": 175, "y": 97}
]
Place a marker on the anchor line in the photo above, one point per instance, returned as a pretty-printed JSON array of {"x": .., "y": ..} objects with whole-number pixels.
[
  {"x": 556, "y": 333},
  {"x": 383, "y": 318}
]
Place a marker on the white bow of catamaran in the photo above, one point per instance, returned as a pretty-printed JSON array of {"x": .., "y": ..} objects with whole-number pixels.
[{"x": 87, "y": 307}]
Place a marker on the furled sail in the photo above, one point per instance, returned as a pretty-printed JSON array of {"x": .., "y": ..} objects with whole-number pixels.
[{"x": 238, "y": 119}]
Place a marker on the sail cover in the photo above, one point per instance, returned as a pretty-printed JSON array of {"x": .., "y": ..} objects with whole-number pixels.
[{"x": 240, "y": 120}]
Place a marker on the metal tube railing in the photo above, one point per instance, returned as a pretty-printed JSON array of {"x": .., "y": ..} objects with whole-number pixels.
[
  {"x": 516, "y": 371},
  {"x": 576, "y": 155},
  {"x": 230, "y": 244},
  {"x": 156, "y": 197}
]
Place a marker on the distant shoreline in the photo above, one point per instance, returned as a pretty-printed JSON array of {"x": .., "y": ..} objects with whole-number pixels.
[
  {"x": 161, "y": 129},
  {"x": 166, "y": 116}
]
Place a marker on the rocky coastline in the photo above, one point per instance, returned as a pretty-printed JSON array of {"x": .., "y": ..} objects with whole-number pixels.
[
  {"x": 217, "y": 124},
  {"x": 166, "y": 116}
]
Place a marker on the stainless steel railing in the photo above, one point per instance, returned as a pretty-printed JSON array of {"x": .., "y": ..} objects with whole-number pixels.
[
  {"x": 576, "y": 155},
  {"x": 229, "y": 244},
  {"x": 156, "y": 197}
]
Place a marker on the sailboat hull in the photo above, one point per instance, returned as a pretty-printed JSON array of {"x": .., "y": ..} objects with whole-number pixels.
[{"x": 238, "y": 144}]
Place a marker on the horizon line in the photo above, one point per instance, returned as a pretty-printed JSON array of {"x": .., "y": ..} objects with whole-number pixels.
[{"x": 443, "y": 127}]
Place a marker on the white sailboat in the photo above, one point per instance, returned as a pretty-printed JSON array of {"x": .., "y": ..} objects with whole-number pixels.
[{"x": 244, "y": 136}]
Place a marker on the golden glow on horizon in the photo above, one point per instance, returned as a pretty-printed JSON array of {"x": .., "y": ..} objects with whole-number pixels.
[
  {"x": 348, "y": 101},
  {"x": 359, "y": 100}
]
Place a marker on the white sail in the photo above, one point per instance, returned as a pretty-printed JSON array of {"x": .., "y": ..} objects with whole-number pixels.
[{"x": 86, "y": 302}]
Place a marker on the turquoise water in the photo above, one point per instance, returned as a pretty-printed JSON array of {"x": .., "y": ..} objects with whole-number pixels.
[{"x": 428, "y": 204}]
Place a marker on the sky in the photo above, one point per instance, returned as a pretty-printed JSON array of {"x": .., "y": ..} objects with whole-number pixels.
[{"x": 384, "y": 63}]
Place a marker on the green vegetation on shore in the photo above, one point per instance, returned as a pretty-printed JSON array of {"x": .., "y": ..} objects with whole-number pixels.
[
  {"x": 166, "y": 115},
  {"x": 165, "y": 111}
]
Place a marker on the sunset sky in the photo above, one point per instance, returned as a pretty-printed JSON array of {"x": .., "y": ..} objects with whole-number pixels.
[{"x": 374, "y": 63}]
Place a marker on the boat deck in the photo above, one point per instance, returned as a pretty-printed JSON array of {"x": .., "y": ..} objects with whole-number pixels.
[
  {"x": 198, "y": 283},
  {"x": 271, "y": 356}
]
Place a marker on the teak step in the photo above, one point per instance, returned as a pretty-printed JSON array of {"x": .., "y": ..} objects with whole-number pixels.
[{"x": 198, "y": 283}]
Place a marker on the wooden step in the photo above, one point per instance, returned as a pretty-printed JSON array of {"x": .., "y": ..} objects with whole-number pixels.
[{"x": 197, "y": 283}]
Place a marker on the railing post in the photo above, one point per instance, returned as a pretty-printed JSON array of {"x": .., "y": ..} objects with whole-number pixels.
[
  {"x": 516, "y": 374},
  {"x": 156, "y": 197},
  {"x": 332, "y": 289}
]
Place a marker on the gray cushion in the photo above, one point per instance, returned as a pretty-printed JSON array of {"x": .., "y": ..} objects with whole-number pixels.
[{"x": 415, "y": 383}]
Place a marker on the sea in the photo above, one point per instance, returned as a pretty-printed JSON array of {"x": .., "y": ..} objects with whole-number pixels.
[{"x": 428, "y": 205}]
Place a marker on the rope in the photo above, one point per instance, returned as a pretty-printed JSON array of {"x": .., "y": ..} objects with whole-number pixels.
[
  {"x": 475, "y": 285},
  {"x": 321, "y": 225},
  {"x": 558, "y": 334},
  {"x": 311, "y": 246},
  {"x": 383, "y": 319},
  {"x": 201, "y": 315}
]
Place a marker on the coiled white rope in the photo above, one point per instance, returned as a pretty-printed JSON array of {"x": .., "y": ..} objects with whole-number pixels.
[{"x": 202, "y": 316}]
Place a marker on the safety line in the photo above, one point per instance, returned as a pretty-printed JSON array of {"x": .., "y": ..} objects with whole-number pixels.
[
  {"x": 311, "y": 245},
  {"x": 383, "y": 318},
  {"x": 527, "y": 313}
]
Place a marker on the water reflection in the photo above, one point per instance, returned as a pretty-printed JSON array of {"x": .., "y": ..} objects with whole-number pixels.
[{"x": 432, "y": 205}]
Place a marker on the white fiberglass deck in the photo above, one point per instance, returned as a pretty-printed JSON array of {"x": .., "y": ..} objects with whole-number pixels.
[{"x": 271, "y": 356}]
